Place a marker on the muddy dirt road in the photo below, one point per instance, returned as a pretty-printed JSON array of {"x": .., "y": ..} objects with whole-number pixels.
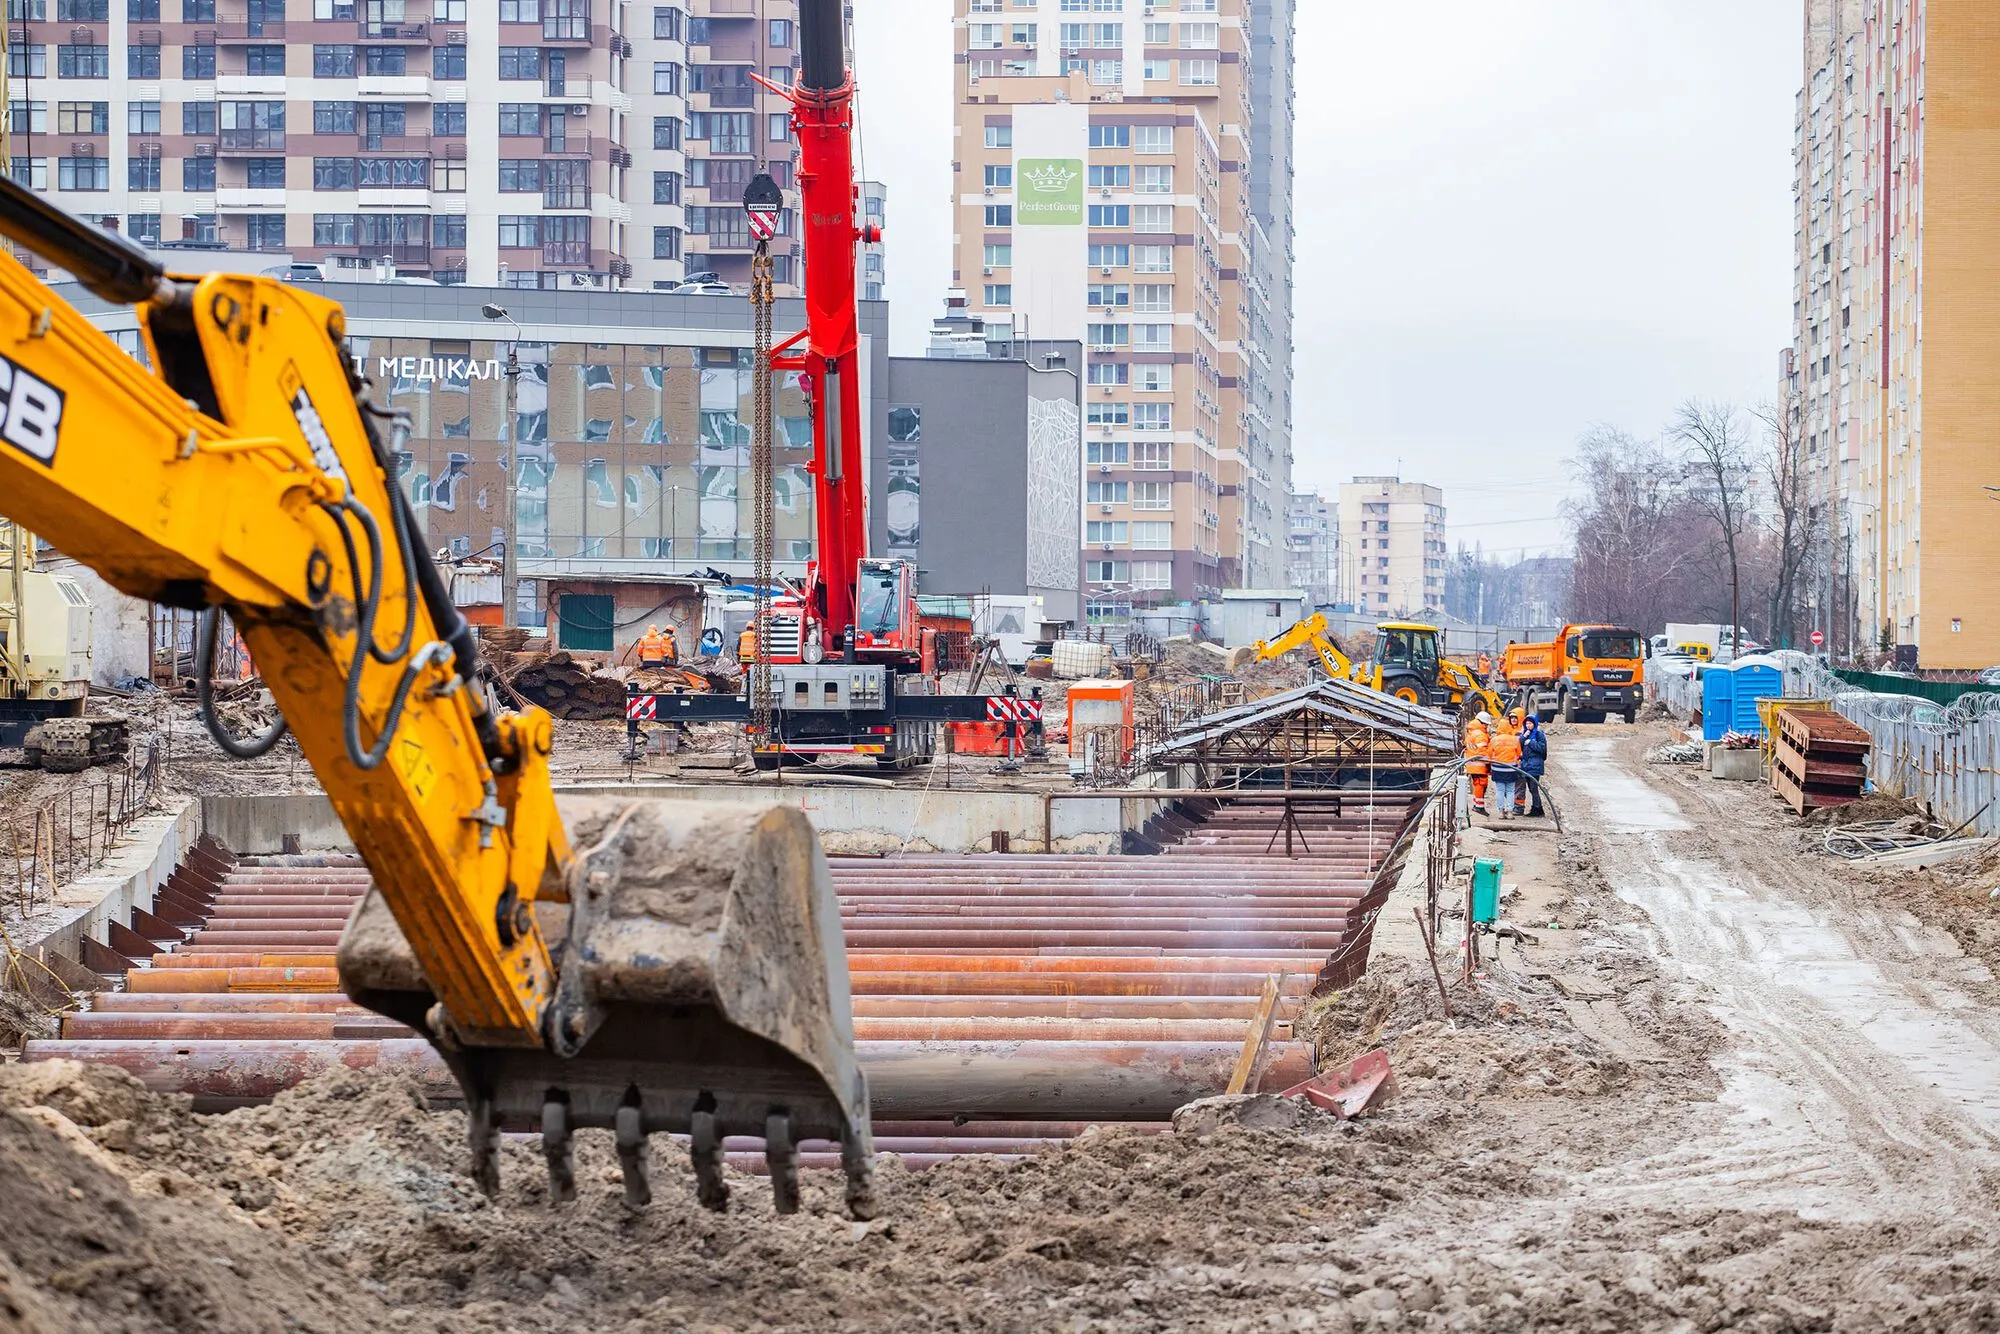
[{"x": 1778, "y": 1117}]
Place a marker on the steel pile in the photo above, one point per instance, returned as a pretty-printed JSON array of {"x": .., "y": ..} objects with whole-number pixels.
[{"x": 1002, "y": 1002}]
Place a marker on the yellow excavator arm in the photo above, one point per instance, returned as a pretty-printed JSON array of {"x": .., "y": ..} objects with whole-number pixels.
[
  {"x": 243, "y": 468},
  {"x": 1467, "y": 685},
  {"x": 1311, "y": 631}
]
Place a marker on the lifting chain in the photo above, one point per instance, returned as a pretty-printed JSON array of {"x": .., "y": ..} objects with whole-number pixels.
[{"x": 761, "y": 488}]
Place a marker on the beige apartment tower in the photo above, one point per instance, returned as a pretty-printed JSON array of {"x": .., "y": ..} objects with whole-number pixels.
[
  {"x": 1392, "y": 548},
  {"x": 1112, "y": 186}
]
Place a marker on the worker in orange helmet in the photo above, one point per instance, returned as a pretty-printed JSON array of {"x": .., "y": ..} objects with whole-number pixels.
[
  {"x": 746, "y": 644},
  {"x": 656, "y": 647},
  {"x": 1478, "y": 748},
  {"x": 1503, "y": 751}
]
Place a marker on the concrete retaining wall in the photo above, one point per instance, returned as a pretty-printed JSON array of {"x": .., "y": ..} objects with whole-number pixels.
[
  {"x": 128, "y": 879},
  {"x": 852, "y": 821}
]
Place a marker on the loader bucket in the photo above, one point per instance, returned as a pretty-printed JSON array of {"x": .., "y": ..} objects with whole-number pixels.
[{"x": 703, "y": 991}]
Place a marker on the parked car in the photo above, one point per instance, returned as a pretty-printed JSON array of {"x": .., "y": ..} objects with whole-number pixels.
[{"x": 704, "y": 289}]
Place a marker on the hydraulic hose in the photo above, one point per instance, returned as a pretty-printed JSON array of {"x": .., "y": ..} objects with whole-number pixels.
[
  {"x": 204, "y": 693},
  {"x": 367, "y": 601}
]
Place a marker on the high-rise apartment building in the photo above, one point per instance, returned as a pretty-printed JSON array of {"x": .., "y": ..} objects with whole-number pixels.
[
  {"x": 1905, "y": 323},
  {"x": 1104, "y": 193},
  {"x": 612, "y": 139},
  {"x": 1392, "y": 531},
  {"x": 873, "y": 280},
  {"x": 1312, "y": 547}
]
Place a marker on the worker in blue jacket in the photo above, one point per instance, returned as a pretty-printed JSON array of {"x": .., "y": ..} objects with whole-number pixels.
[{"x": 1534, "y": 759}]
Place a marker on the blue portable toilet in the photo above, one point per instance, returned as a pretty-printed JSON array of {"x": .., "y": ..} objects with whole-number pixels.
[{"x": 1729, "y": 696}]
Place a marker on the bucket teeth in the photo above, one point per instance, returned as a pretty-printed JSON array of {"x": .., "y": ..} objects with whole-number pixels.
[
  {"x": 558, "y": 1146},
  {"x": 706, "y": 1148},
  {"x": 857, "y": 1159},
  {"x": 781, "y": 1155},
  {"x": 631, "y": 1133},
  {"x": 483, "y": 1135}
]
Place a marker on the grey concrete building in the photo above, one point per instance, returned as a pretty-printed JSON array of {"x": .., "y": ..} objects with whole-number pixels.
[
  {"x": 1268, "y": 439},
  {"x": 980, "y": 471}
]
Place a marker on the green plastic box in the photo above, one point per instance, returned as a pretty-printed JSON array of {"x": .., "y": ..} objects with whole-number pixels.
[{"x": 1486, "y": 889}]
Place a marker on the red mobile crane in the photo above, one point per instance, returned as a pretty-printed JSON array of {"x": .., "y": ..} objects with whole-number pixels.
[{"x": 847, "y": 653}]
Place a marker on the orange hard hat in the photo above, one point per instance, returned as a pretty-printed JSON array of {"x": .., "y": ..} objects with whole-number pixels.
[{"x": 1517, "y": 714}]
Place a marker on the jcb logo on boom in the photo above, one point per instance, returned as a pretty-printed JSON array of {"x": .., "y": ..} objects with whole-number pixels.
[{"x": 34, "y": 411}]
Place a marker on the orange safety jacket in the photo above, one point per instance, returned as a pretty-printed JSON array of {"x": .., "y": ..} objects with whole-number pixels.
[
  {"x": 1505, "y": 748},
  {"x": 746, "y": 644},
  {"x": 1478, "y": 744},
  {"x": 656, "y": 647}
]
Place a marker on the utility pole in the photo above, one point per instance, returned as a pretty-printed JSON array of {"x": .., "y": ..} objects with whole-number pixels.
[{"x": 510, "y": 575}]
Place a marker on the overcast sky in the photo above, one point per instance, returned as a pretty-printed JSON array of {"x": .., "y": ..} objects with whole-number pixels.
[{"x": 1514, "y": 221}]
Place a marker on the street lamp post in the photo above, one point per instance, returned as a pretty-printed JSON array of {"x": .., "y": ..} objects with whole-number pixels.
[{"x": 510, "y": 576}]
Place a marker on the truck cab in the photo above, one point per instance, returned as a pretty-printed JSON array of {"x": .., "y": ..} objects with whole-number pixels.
[{"x": 1603, "y": 672}]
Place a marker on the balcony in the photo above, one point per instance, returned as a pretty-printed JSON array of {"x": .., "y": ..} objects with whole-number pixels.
[
  {"x": 401, "y": 31},
  {"x": 239, "y": 30},
  {"x": 394, "y": 87},
  {"x": 566, "y": 196},
  {"x": 571, "y": 143},
  {"x": 374, "y": 141},
  {"x": 566, "y": 254},
  {"x": 236, "y": 143},
  {"x": 567, "y": 29},
  {"x": 250, "y": 85},
  {"x": 257, "y": 199},
  {"x": 392, "y": 197}
]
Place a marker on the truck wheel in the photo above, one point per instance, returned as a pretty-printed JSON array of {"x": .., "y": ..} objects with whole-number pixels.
[
  {"x": 1631, "y": 715},
  {"x": 1568, "y": 707}
]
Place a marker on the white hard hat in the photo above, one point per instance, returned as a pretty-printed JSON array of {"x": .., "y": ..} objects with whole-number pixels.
[{"x": 1485, "y": 717}]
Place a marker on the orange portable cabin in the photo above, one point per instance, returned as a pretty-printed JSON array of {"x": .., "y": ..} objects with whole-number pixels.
[{"x": 1098, "y": 704}]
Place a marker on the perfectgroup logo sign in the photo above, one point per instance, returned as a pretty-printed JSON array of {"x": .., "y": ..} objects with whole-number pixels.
[{"x": 1048, "y": 192}]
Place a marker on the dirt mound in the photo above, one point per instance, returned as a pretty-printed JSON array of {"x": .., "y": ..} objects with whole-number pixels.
[{"x": 1874, "y": 806}]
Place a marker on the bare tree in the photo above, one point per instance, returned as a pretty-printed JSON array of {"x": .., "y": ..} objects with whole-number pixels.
[
  {"x": 1796, "y": 524},
  {"x": 1716, "y": 457},
  {"x": 1638, "y": 551}
]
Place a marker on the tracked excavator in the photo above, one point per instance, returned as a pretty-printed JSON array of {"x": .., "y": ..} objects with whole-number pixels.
[{"x": 637, "y": 967}]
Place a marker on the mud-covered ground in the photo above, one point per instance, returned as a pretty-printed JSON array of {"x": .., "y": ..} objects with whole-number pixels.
[{"x": 1800, "y": 1134}]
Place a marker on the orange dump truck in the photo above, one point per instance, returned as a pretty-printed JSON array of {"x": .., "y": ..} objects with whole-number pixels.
[{"x": 1586, "y": 673}]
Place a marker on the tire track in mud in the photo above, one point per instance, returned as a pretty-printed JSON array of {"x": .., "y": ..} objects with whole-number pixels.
[{"x": 1858, "y": 1081}]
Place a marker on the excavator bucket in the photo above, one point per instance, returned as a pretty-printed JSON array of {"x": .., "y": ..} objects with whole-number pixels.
[{"x": 702, "y": 990}]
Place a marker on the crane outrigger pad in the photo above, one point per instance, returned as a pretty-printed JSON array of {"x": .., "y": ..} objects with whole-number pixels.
[{"x": 702, "y": 990}]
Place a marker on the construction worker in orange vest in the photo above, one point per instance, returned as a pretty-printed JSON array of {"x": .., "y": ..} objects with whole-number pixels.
[
  {"x": 1478, "y": 747},
  {"x": 656, "y": 647},
  {"x": 1504, "y": 756},
  {"x": 746, "y": 644}
]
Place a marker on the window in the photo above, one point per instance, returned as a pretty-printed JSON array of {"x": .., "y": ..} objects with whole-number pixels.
[
  {"x": 666, "y": 77},
  {"x": 1153, "y": 259},
  {"x": 334, "y": 229},
  {"x": 28, "y": 117},
  {"x": 83, "y": 117},
  {"x": 1106, "y": 493},
  {"x": 1114, "y": 453},
  {"x": 1152, "y": 456},
  {"x": 1154, "y": 139},
  {"x": 333, "y": 173},
  {"x": 666, "y": 132},
  {"x": 1200, "y": 34},
  {"x": 1153, "y": 338},
  {"x": 999, "y": 178},
  {"x": 780, "y": 75},
  {"x": 143, "y": 11},
  {"x": 1109, "y": 372},
  {"x": 27, "y": 61},
  {"x": 780, "y": 32},
  {"x": 520, "y": 120},
  {"x": 1022, "y": 34},
  {"x": 520, "y": 175},
  {"x": 1111, "y": 136},
  {"x": 1152, "y": 495},
  {"x": 1109, "y": 414},
  {"x": 780, "y": 127},
  {"x": 83, "y": 11},
  {"x": 1105, "y": 532},
  {"x": 697, "y": 31},
  {"x": 519, "y": 233},
  {"x": 1153, "y": 299},
  {"x": 32, "y": 172},
  {"x": 520, "y": 62},
  {"x": 566, "y": 183},
  {"x": 252, "y": 124},
  {"x": 333, "y": 118},
  {"x": 1152, "y": 574},
  {"x": 999, "y": 256},
  {"x": 1197, "y": 73},
  {"x": 1156, "y": 70},
  {"x": 142, "y": 62},
  {"x": 27, "y": 9},
  {"x": 1110, "y": 256},
  {"x": 1110, "y": 215},
  {"x": 388, "y": 60},
  {"x": 264, "y": 173},
  {"x": 1155, "y": 181},
  {"x": 1156, "y": 378},
  {"x": 725, "y": 131},
  {"x": 263, "y": 60},
  {"x": 142, "y": 173},
  {"x": 1000, "y": 136},
  {"x": 1159, "y": 34},
  {"x": 1153, "y": 218},
  {"x": 999, "y": 294},
  {"x": 1153, "y": 417},
  {"x": 1111, "y": 178},
  {"x": 666, "y": 25},
  {"x": 198, "y": 174},
  {"x": 199, "y": 11},
  {"x": 198, "y": 62},
  {"x": 448, "y": 118},
  {"x": 144, "y": 227},
  {"x": 666, "y": 187},
  {"x": 83, "y": 173},
  {"x": 986, "y": 36},
  {"x": 720, "y": 174},
  {"x": 1107, "y": 73},
  {"x": 1109, "y": 294},
  {"x": 1108, "y": 335},
  {"x": 999, "y": 215},
  {"x": 447, "y": 11},
  {"x": 448, "y": 175},
  {"x": 448, "y": 63},
  {"x": 448, "y": 232},
  {"x": 333, "y": 9},
  {"x": 666, "y": 243},
  {"x": 520, "y": 11},
  {"x": 333, "y": 62},
  {"x": 1104, "y": 571},
  {"x": 197, "y": 118},
  {"x": 83, "y": 62},
  {"x": 264, "y": 233}
]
